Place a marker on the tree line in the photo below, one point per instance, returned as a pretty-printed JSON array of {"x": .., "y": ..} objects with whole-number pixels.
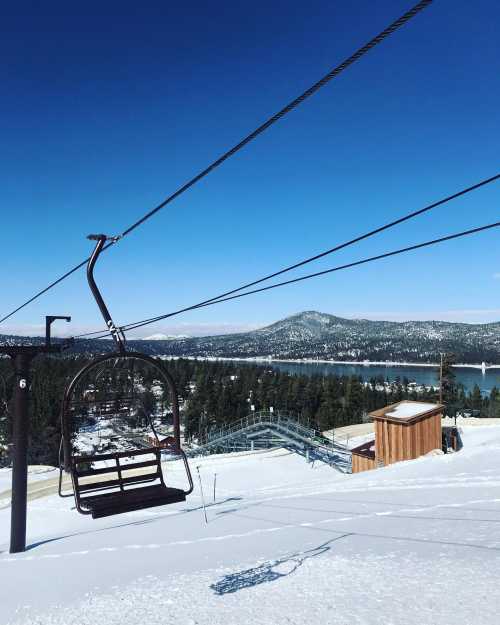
[{"x": 216, "y": 393}]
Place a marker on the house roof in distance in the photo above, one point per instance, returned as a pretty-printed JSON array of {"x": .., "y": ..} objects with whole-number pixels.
[{"x": 407, "y": 411}]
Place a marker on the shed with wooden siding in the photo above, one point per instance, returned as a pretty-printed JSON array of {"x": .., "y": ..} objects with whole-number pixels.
[
  {"x": 406, "y": 430},
  {"x": 403, "y": 431}
]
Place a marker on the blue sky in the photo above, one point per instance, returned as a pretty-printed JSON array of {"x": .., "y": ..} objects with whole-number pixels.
[{"x": 108, "y": 108}]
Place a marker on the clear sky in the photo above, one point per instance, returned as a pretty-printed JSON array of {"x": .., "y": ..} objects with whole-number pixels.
[{"x": 107, "y": 108}]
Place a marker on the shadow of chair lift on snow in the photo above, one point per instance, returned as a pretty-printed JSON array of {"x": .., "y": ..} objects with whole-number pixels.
[
  {"x": 270, "y": 571},
  {"x": 153, "y": 517}
]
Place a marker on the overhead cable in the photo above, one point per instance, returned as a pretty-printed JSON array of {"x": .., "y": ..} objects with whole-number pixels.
[
  {"x": 389, "y": 30},
  {"x": 404, "y": 250},
  {"x": 350, "y": 242}
]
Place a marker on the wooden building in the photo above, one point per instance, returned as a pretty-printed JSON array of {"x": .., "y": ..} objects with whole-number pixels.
[
  {"x": 403, "y": 431},
  {"x": 363, "y": 457}
]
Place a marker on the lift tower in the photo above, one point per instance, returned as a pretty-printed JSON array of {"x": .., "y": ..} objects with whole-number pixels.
[{"x": 22, "y": 356}]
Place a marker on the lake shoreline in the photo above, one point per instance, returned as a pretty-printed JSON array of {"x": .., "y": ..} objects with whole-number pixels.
[
  {"x": 424, "y": 374},
  {"x": 312, "y": 361}
]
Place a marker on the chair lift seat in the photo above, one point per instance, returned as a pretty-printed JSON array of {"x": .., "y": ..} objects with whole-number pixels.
[
  {"x": 127, "y": 498},
  {"x": 108, "y": 504}
]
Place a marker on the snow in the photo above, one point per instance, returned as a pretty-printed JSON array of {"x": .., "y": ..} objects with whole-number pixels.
[
  {"x": 407, "y": 410},
  {"x": 164, "y": 337},
  {"x": 286, "y": 542},
  {"x": 35, "y": 473}
]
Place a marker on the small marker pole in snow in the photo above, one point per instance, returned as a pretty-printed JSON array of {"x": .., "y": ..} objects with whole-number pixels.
[
  {"x": 333, "y": 442},
  {"x": 441, "y": 380},
  {"x": 202, "y": 497},
  {"x": 215, "y": 482}
]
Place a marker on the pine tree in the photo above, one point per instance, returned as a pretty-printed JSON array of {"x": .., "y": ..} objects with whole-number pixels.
[
  {"x": 448, "y": 389},
  {"x": 476, "y": 399},
  {"x": 494, "y": 403}
]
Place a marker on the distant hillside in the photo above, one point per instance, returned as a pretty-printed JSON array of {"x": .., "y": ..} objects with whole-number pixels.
[{"x": 317, "y": 335}]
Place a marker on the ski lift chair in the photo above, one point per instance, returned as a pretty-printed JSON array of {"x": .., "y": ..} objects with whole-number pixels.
[{"x": 121, "y": 481}]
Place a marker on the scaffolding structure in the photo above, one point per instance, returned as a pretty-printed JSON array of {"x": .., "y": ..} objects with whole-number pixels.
[{"x": 269, "y": 429}]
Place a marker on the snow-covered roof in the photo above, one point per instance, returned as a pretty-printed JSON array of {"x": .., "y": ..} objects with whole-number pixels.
[
  {"x": 406, "y": 411},
  {"x": 365, "y": 449}
]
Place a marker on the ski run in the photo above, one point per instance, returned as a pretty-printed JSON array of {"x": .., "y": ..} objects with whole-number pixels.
[{"x": 415, "y": 543}]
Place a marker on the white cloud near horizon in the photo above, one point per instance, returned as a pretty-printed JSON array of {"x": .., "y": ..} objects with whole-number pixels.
[
  {"x": 190, "y": 329},
  {"x": 480, "y": 315}
]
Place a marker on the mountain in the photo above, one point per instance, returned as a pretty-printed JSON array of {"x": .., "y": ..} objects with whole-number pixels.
[
  {"x": 318, "y": 335},
  {"x": 313, "y": 334},
  {"x": 165, "y": 337}
]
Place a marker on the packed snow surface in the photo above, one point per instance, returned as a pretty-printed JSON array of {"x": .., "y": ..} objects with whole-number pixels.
[
  {"x": 35, "y": 473},
  {"x": 286, "y": 542},
  {"x": 409, "y": 409}
]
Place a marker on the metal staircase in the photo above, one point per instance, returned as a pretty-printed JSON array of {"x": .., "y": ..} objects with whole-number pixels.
[{"x": 265, "y": 430}]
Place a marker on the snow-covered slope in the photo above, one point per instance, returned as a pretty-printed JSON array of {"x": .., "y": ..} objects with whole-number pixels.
[{"x": 286, "y": 542}]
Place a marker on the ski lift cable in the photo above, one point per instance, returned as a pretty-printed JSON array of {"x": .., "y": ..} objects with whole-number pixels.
[
  {"x": 389, "y": 30},
  {"x": 139, "y": 324},
  {"x": 333, "y": 269},
  {"x": 337, "y": 248}
]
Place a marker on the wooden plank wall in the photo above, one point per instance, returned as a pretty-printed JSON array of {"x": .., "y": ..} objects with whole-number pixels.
[
  {"x": 396, "y": 441},
  {"x": 362, "y": 463}
]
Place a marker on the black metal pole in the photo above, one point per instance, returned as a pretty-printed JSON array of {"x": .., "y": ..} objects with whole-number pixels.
[
  {"x": 20, "y": 454},
  {"x": 48, "y": 323},
  {"x": 21, "y": 355},
  {"x": 49, "y": 320}
]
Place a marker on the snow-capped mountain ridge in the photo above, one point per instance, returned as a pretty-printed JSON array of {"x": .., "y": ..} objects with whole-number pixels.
[
  {"x": 317, "y": 335},
  {"x": 165, "y": 337}
]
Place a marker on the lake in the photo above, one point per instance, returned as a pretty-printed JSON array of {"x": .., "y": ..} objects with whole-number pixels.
[{"x": 421, "y": 375}]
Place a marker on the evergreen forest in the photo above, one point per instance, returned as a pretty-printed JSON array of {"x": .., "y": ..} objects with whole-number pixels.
[{"x": 216, "y": 393}]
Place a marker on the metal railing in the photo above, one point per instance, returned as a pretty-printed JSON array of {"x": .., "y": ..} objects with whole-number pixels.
[
  {"x": 291, "y": 429},
  {"x": 280, "y": 418}
]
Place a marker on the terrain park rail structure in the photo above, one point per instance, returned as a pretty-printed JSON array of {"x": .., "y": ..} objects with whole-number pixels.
[{"x": 266, "y": 429}]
